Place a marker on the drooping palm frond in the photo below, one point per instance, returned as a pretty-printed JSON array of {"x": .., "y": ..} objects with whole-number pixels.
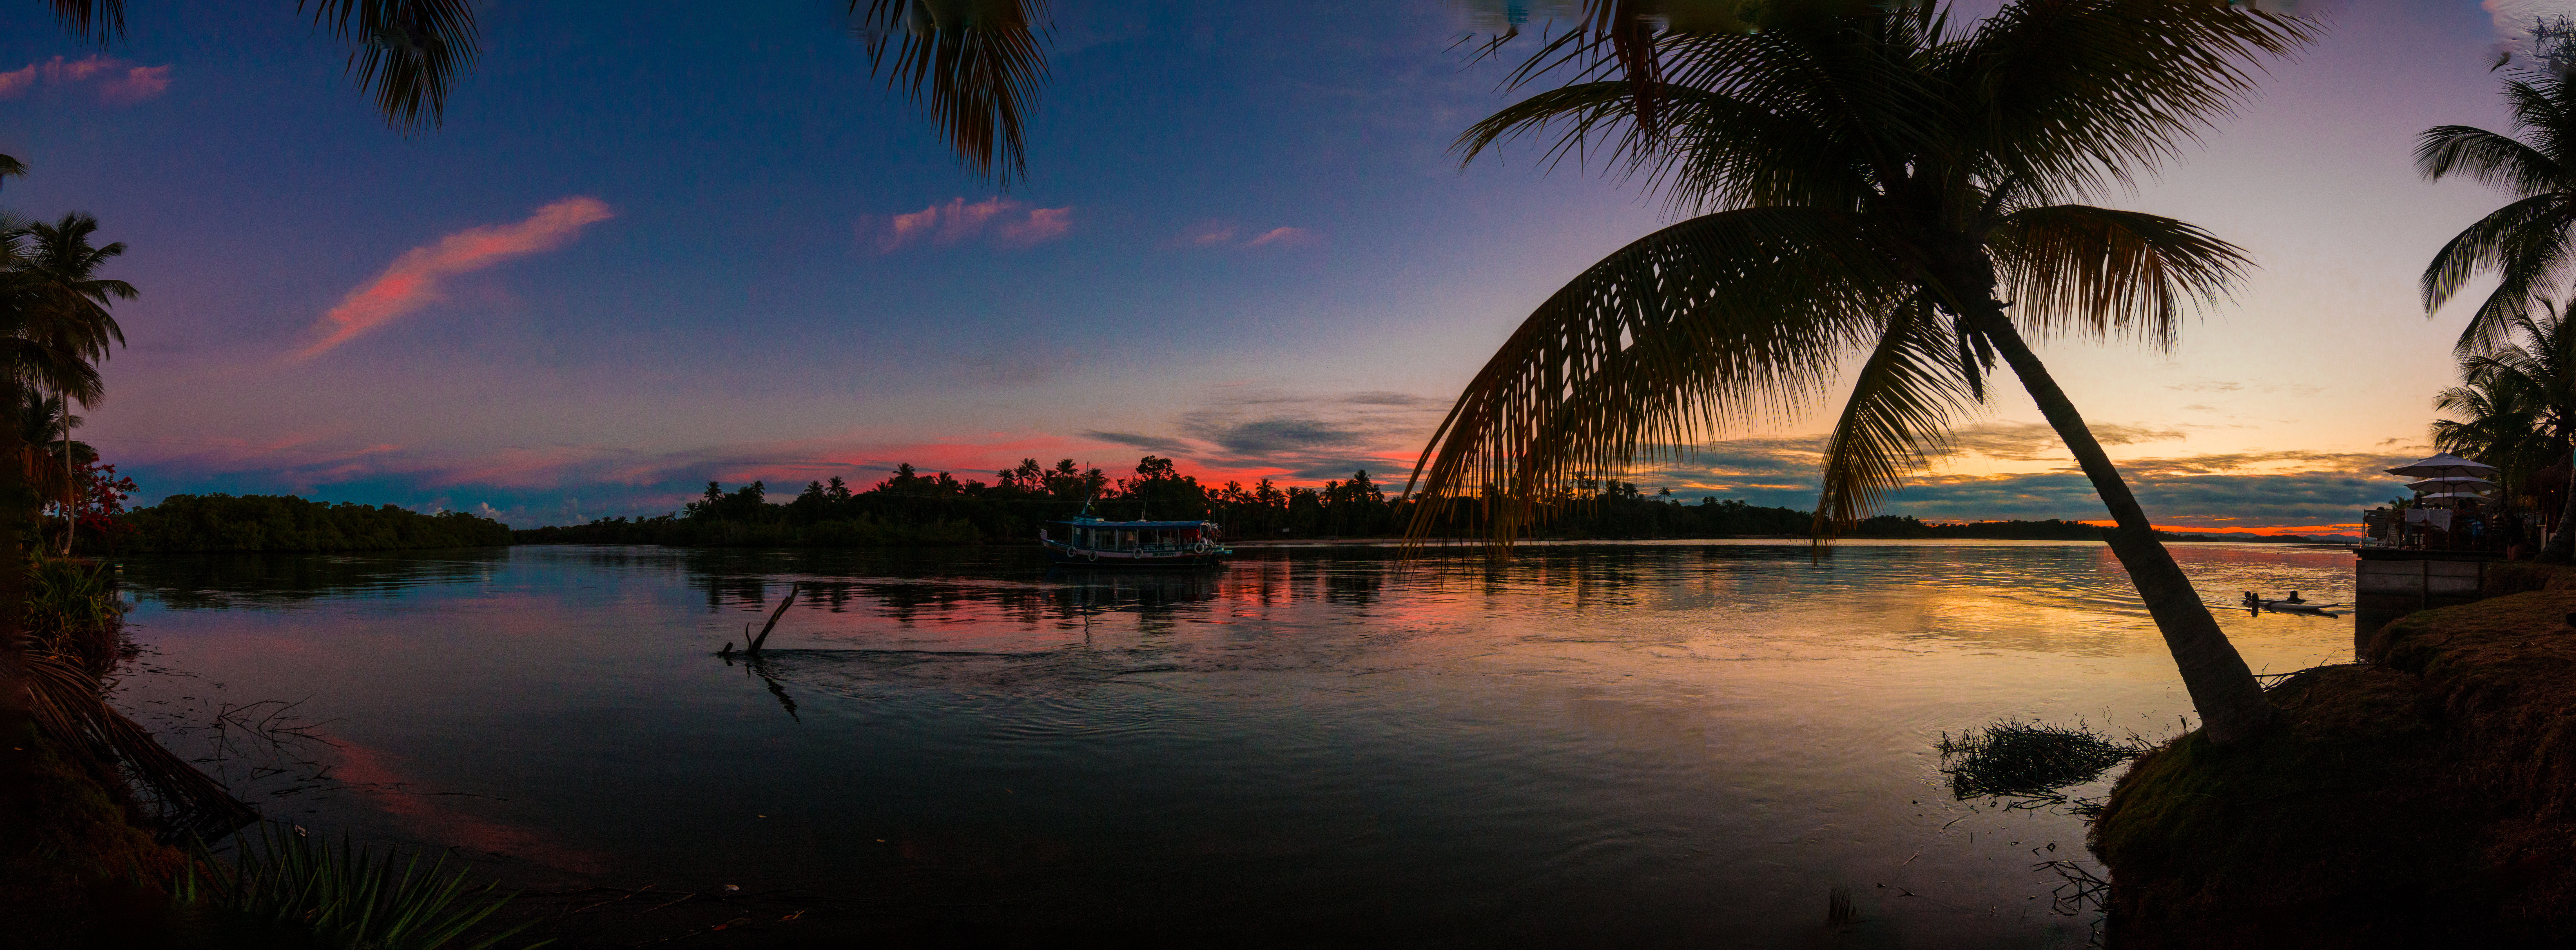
[
  {"x": 1898, "y": 417},
  {"x": 97, "y": 21},
  {"x": 1715, "y": 322},
  {"x": 70, "y": 708},
  {"x": 2447, "y": 150},
  {"x": 2526, "y": 243},
  {"x": 2104, "y": 272},
  {"x": 407, "y": 54},
  {"x": 976, "y": 66}
]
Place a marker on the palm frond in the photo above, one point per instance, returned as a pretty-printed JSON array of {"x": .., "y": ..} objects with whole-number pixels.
[
  {"x": 406, "y": 53},
  {"x": 2446, "y": 150},
  {"x": 976, "y": 65},
  {"x": 97, "y": 21},
  {"x": 1718, "y": 321},
  {"x": 1897, "y": 419},
  {"x": 2080, "y": 94},
  {"x": 2525, "y": 242},
  {"x": 1738, "y": 153},
  {"x": 2103, "y": 272}
]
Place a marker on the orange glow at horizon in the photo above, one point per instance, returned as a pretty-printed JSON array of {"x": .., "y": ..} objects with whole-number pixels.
[{"x": 2259, "y": 530}]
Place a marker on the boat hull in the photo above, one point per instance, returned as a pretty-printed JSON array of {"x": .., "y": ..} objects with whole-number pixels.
[{"x": 1069, "y": 555}]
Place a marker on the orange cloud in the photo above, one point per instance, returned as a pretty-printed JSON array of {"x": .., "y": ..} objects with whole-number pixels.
[{"x": 413, "y": 280}]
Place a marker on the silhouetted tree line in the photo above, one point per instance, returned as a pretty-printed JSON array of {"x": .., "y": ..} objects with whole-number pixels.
[
  {"x": 288, "y": 523},
  {"x": 911, "y": 508}
]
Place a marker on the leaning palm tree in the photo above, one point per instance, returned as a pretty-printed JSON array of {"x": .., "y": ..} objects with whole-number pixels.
[
  {"x": 2530, "y": 243},
  {"x": 975, "y": 65},
  {"x": 1866, "y": 184}
]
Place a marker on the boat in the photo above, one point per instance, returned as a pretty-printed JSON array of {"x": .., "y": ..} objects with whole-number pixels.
[
  {"x": 2288, "y": 605},
  {"x": 1092, "y": 542}
]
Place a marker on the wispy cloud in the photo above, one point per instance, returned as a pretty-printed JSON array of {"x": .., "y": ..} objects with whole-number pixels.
[
  {"x": 414, "y": 280},
  {"x": 1224, "y": 234},
  {"x": 1283, "y": 237},
  {"x": 1009, "y": 223},
  {"x": 118, "y": 82},
  {"x": 138, "y": 84}
]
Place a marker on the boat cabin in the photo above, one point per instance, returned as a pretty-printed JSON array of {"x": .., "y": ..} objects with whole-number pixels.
[{"x": 1095, "y": 541}]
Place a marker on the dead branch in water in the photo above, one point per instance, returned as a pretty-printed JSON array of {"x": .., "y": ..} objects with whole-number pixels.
[{"x": 773, "y": 621}]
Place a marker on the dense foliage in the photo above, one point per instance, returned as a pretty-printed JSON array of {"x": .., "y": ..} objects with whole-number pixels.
[{"x": 288, "y": 523}]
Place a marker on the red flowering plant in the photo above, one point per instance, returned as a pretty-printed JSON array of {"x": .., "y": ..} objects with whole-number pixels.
[{"x": 101, "y": 503}]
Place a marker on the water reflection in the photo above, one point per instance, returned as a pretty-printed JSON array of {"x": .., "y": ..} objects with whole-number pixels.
[{"x": 1651, "y": 744}]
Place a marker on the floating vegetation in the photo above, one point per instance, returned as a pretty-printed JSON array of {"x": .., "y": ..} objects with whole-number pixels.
[{"x": 2029, "y": 760}]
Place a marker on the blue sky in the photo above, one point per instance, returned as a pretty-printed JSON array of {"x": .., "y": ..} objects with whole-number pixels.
[{"x": 741, "y": 296}]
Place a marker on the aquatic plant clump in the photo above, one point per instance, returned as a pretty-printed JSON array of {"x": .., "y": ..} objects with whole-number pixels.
[
  {"x": 2028, "y": 759},
  {"x": 285, "y": 883}
]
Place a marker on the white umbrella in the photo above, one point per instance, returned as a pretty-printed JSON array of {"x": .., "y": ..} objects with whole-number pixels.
[
  {"x": 2437, "y": 484},
  {"x": 2453, "y": 494},
  {"x": 2445, "y": 465}
]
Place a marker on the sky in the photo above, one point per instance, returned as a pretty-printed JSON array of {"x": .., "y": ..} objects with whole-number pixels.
[{"x": 658, "y": 244}]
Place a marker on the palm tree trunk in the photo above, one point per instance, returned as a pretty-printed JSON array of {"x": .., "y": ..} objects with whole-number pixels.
[
  {"x": 15, "y": 500},
  {"x": 2222, "y": 688},
  {"x": 2562, "y": 545},
  {"x": 71, "y": 518}
]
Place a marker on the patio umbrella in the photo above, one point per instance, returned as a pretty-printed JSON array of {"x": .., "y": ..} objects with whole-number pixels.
[
  {"x": 2453, "y": 494},
  {"x": 2450, "y": 484},
  {"x": 2445, "y": 465}
]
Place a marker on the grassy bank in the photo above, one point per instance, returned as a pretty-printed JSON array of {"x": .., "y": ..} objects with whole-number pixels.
[{"x": 2425, "y": 797}]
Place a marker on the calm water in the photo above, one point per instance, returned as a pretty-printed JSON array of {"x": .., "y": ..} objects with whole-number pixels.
[{"x": 1657, "y": 744}]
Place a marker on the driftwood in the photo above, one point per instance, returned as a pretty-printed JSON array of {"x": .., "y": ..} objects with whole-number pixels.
[{"x": 754, "y": 649}]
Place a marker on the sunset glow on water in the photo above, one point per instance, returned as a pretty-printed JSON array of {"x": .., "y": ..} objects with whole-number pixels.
[{"x": 1662, "y": 744}]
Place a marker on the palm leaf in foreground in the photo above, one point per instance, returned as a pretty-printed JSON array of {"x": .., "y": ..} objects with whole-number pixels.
[
  {"x": 976, "y": 65},
  {"x": 1884, "y": 177}
]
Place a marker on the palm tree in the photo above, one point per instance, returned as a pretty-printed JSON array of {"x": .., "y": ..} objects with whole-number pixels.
[
  {"x": 977, "y": 63},
  {"x": 1865, "y": 184},
  {"x": 2526, "y": 243},
  {"x": 50, "y": 461},
  {"x": 65, "y": 265},
  {"x": 54, "y": 329},
  {"x": 2520, "y": 399},
  {"x": 2530, "y": 243}
]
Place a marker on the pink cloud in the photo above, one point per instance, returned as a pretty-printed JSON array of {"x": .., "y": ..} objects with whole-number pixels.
[
  {"x": 1043, "y": 224},
  {"x": 140, "y": 83},
  {"x": 1010, "y": 223},
  {"x": 124, "y": 84},
  {"x": 1284, "y": 237},
  {"x": 413, "y": 281},
  {"x": 1220, "y": 234}
]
